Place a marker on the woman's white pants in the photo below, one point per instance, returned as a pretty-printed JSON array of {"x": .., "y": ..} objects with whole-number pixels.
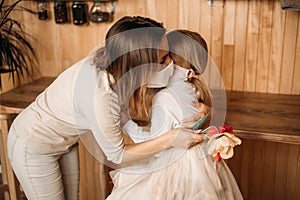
[{"x": 44, "y": 176}]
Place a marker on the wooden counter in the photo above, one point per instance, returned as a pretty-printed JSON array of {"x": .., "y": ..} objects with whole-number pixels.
[
  {"x": 267, "y": 117},
  {"x": 14, "y": 101},
  {"x": 266, "y": 165}
]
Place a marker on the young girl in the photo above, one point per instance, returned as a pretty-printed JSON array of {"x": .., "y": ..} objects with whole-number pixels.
[{"x": 176, "y": 174}]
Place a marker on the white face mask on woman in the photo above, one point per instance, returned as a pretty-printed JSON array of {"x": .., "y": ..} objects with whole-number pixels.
[{"x": 161, "y": 78}]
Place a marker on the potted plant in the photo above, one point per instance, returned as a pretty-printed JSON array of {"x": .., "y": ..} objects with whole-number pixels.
[{"x": 17, "y": 55}]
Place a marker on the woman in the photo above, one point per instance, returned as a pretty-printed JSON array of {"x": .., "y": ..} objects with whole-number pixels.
[{"x": 87, "y": 97}]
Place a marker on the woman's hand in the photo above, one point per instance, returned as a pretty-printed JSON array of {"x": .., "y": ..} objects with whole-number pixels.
[
  {"x": 186, "y": 138},
  {"x": 179, "y": 138},
  {"x": 190, "y": 121}
]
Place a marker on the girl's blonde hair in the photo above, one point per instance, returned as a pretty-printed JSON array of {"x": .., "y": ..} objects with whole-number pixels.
[{"x": 189, "y": 50}]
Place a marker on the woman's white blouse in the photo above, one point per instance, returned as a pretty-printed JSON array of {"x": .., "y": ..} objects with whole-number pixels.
[{"x": 79, "y": 100}]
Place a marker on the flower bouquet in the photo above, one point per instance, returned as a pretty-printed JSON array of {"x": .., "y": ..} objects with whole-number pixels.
[{"x": 221, "y": 141}]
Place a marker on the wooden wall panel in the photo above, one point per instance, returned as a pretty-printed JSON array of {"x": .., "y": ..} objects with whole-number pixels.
[
  {"x": 194, "y": 7},
  {"x": 280, "y": 169},
  {"x": 296, "y": 75},
  {"x": 297, "y": 181},
  {"x": 255, "y": 190},
  {"x": 246, "y": 169},
  {"x": 216, "y": 43},
  {"x": 290, "y": 187},
  {"x": 276, "y": 49},
  {"x": 172, "y": 6},
  {"x": 253, "y": 43},
  {"x": 263, "y": 58},
  {"x": 289, "y": 49},
  {"x": 204, "y": 23},
  {"x": 241, "y": 18},
  {"x": 266, "y": 170},
  {"x": 228, "y": 43},
  {"x": 183, "y": 17}
]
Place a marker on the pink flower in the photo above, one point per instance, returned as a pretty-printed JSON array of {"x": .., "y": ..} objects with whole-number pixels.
[
  {"x": 221, "y": 129},
  {"x": 212, "y": 131}
]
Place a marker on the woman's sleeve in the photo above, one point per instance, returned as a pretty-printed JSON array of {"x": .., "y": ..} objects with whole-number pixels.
[
  {"x": 135, "y": 132},
  {"x": 162, "y": 120},
  {"x": 106, "y": 124}
]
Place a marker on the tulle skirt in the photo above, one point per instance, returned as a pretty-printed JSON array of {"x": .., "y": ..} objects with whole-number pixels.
[{"x": 194, "y": 175}]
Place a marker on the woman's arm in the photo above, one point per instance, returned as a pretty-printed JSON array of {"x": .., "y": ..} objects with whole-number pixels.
[
  {"x": 165, "y": 115},
  {"x": 180, "y": 138},
  {"x": 107, "y": 132},
  {"x": 162, "y": 120}
]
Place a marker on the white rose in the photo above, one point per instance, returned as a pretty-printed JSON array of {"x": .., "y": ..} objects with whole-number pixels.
[{"x": 222, "y": 143}]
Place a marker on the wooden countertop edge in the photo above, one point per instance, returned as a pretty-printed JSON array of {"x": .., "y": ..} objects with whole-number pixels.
[
  {"x": 9, "y": 110},
  {"x": 293, "y": 138},
  {"x": 270, "y": 137}
]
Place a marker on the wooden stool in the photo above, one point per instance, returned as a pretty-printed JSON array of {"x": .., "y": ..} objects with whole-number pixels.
[{"x": 10, "y": 186}]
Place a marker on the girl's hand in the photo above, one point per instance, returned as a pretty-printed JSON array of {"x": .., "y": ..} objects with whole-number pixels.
[
  {"x": 186, "y": 138},
  {"x": 190, "y": 121}
]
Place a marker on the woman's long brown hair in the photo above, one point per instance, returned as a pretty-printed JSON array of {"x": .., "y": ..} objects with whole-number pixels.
[{"x": 131, "y": 56}]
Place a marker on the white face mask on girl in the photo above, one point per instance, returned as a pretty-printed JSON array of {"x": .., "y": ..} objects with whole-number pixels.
[{"x": 161, "y": 78}]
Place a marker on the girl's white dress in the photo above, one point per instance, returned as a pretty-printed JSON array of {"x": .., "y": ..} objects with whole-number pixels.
[{"x": 173, "y": 174}]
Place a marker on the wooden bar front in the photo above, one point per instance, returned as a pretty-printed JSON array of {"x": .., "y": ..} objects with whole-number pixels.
[{"x": 266, "y": 165}]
